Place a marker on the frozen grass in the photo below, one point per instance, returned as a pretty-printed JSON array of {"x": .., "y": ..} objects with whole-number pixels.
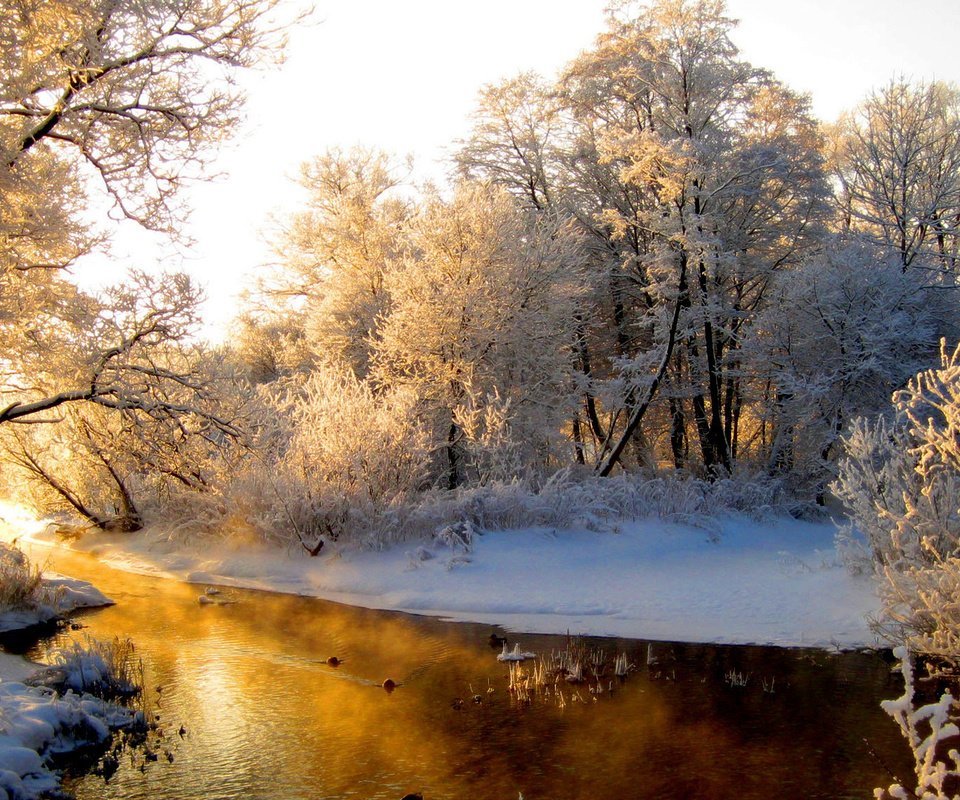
[
  {"x": 559, "y": 675},
  {"x": 21, "y": 583}
]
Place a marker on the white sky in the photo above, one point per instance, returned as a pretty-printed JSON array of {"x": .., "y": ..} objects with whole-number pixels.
[{"x": 404, "y": 77}]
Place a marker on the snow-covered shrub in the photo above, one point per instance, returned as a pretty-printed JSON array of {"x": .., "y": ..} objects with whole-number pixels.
[
  {"x": 568, "y": 500},
  {"x": 876, "y": 473},
  {"x": 368, "y": 445},
  {"x": 330, "y": 459},
  {"x": 933, "y": 736},
  {"x": 456, "y": 535},
  {"x": 922, "y": 606},
  {"x": 489, "y": 442},
  {"x": 901, "y": 482},
  {"x": 902, "y": 479}
]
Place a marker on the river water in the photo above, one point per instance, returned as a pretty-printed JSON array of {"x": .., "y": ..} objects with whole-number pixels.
[{"x": 248, "y": 707}]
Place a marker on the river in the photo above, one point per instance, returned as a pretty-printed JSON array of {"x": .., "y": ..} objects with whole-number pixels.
[{"x": 249, "y": 707}]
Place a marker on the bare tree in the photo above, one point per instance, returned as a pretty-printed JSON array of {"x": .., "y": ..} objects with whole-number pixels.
[{"x": 898, "y": 164}]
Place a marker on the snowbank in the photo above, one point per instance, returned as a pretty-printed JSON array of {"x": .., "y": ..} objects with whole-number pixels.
[
  {"x": 736, "y": 581},
  {"x": 26, "y": 601},
  {"x": 37, "y": 723},
  {"x": 59, "y": 595}
]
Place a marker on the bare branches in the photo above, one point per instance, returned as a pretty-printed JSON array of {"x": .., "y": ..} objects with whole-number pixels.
[
  {"x": 898, "y": 162},
  {"x": 139, "y": 89}
]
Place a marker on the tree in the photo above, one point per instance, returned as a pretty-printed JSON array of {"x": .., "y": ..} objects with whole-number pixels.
[
  {"x": 481, "y": 317},
  {"x": 840, "y": 332},
  {"x": 141, "y": 92},
  {"x": 515, "y": 125},
  {"x": 135, "y": 95},
  {"x": 723, "y": 175},
  {"x": 334, "y": 255},
  {"x": 897, "y": 161},
  {"x": 152, "y": 409}
]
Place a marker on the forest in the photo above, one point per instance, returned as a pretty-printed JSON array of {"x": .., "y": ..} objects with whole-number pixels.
[{"x": 657, "y": 264}]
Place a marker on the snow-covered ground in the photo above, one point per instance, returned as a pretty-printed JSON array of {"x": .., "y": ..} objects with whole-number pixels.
[{"x": 775, "y": 582}]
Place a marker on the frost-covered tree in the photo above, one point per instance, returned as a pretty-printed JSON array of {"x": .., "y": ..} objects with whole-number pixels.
[
  {"x": 840, "y": 332},
  {"x": 117, "y": 390},
  {"x": 512, "y": 143},
  {"x": 897, "y": 160},
  {"x": 482, "y": 315},
  {"x": 139, "y": 91},
  {"x": 128, "y": 98},
  {"x": 116, "y": 103},
  {"x": 335, "y": 254},
  {"x": 722, "y": 168},
  {"x": 695, "y": 177},
  {"x": 266, "y": 346}
]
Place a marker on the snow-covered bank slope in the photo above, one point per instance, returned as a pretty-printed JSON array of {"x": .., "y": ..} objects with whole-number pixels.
[
  {"x": 777, "y": 582},
  {"x": 38, "y": 723}
]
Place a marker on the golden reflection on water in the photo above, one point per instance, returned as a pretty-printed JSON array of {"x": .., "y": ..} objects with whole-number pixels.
[{"x": 263, "y": 715}]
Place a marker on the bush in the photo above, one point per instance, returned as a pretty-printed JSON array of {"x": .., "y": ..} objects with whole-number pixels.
[
  {"x": 932, "y": 734},
  {"x": 901, "y": 483}
]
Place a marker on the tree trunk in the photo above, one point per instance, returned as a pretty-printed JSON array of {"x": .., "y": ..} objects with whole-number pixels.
[
  {"x": 583, "y": 351},
  {"x": 605, "y": 466},
  {"x": 578, "y": 440},
  {"x": 719, "y": 447},
  {"x": 782, "y": 457},
  {"x": 454, "y": 460},
  {"x": 678, "y": 433}
]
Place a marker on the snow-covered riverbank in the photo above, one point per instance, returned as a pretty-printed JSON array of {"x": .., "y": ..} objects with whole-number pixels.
[
  {"x": 777, "y": 582},
  {"x": 36, "y": 722}
]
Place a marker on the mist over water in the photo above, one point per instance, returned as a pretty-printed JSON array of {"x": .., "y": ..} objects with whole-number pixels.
[{"x": 249, "y": 707}]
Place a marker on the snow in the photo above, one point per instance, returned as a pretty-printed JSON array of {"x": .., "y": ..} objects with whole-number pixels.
[
  {"x": 514, "y": 655},
  {"x": 61, "y": 595},
  {"x": 732, "y": 580},
  {"x": 58, "y": 594},
  {"x": 37, "y": 723}
]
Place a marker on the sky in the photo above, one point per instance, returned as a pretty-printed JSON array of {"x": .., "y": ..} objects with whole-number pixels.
[{"x": 404, "y": 77}]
